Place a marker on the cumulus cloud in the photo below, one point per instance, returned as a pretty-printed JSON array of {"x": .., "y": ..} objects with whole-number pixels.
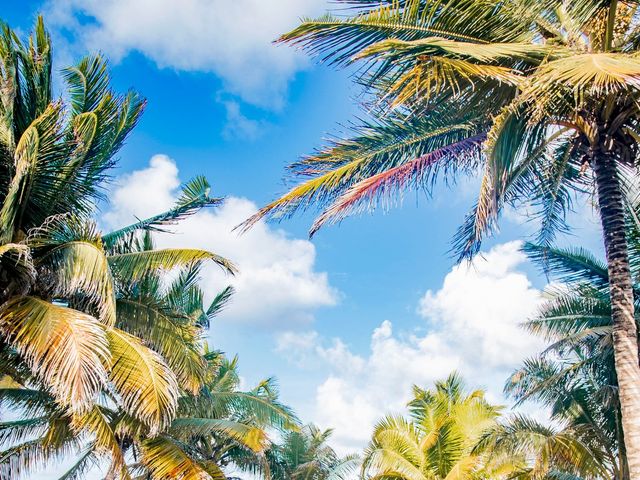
[
  {"x": 277, "y": 283},
  {"x": 481, "y": 305},
  {"x": 473, "y": 327},
  {"x": 231, "y": 39}
]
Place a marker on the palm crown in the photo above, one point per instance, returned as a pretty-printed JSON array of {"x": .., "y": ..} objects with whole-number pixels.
[
  {"x": 522, "y": 91},
  {"x": 439, "y": 438}
]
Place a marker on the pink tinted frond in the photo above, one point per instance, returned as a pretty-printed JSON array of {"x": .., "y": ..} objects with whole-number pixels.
[{"x": 385, "y": 185}]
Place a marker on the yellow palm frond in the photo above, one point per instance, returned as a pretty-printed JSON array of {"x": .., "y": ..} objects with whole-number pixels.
[
  {"x": 178, "y": 342},
  {"x": 82, "y": 267},
  {"x": 65, "y": 348},
  {"x": 306, "y": 191},
  {"x": 135, "y": 265},
  {"x": 464, "y": 467},
  {"x": 584, "y": 76},
  {"x": 432, "y": 75},
  {"x": 104, "y": 440},
  {"x": 147, "y": 386},
  {"x": 483, "y": 52},
  {"x": 69, "y": 249},
  {"x": 165, "y": 459}
]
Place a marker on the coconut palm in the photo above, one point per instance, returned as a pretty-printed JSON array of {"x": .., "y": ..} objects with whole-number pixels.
[
  {"x": 211, "y": 428},
  {"x": 438, "y": 439},
  {"x": 301, "y": 454},
  {"x": 539, "y": 97},
  {"x": 158, "y": 354},
  {"x": 73, "y": 303},
  {"x": 583, "y": 439},
  {"x": 186, "y": 407},
  {"x": 575, "y": 375}
]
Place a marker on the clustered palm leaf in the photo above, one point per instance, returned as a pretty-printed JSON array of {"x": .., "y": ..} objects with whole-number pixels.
[
  {"x": 439, "y": 438},
  {"x": 539, "y": 99},
  {"x": 212, "y": 429}
]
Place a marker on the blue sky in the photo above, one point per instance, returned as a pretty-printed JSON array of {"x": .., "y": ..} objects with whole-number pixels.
[{"x": 348, "y": 321}]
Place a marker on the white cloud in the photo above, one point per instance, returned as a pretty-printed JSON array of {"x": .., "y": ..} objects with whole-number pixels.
[
  {"x": 230, "y": 39},
  {"x": 277, "y": 283},
  {"x": 304, "y": 348},
  {"x": 480, "y": 306},
  {"x": 473, "y": 322}
]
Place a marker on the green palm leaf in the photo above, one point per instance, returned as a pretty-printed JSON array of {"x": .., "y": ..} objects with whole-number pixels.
[{"x": 135, "y": 265}]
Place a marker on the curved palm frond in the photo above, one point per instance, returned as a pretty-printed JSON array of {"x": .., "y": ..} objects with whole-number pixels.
[
  {"x": 194, "y": 196},
  {"x": 70, "y": 253},
  {"x": 65, "y": 348},
  {"x": 165, "y": 458},
  {"x": 146, "y": 385},
  {"x": 252, "y": 437},
  {"x": 135, "y": 265}
]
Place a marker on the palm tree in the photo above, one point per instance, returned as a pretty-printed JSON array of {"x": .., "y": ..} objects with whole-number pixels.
[
  {"x": 575, "y": 376},
  {"x": 159, "y": 358},
  {"x": 175, "y": 380},
  {"x": 438, "y": 439},
  {"x": 74, "y": 303},
  {"x": 302, "y": 454},
  {"x": 211, "y": 429},
  {"x": 539, "y": 96}
]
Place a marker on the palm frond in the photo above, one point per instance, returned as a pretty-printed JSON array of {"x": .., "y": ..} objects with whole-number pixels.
[
  {"x": 385, "y": 185},
  {"x": 165, "y": 458},
  {"x": 194, "y": 196},
  {"x": 377, "y": 148},
  {"x": 19, "y": 431},
  {"x": 65, "y": 348},
  {"x": 176, "y": 339},
  {"x": 147, "y": 387},
  {"x": 250, "y": 436},
  {"x": 104, "y": 440},
  {"x": 85, "y": 462},
  {"x": 37, "y": 148},
  {"x": 571, "y": 265},
  {"x": 220, "y": 302},
  {"x": 71, "y": 252},
  {"x": 135, "y": 265}
]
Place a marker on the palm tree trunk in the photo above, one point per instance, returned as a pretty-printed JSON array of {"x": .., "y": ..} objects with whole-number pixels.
[{"x": 625, "y": 335}]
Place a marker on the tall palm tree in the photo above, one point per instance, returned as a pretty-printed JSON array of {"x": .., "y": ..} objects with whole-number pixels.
[
  {"x": 72, "y": 301},
  {"x": 438, "y": 439},
  {"x": 538, "y": 96},
  {"x": 575, "y": 375}
]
